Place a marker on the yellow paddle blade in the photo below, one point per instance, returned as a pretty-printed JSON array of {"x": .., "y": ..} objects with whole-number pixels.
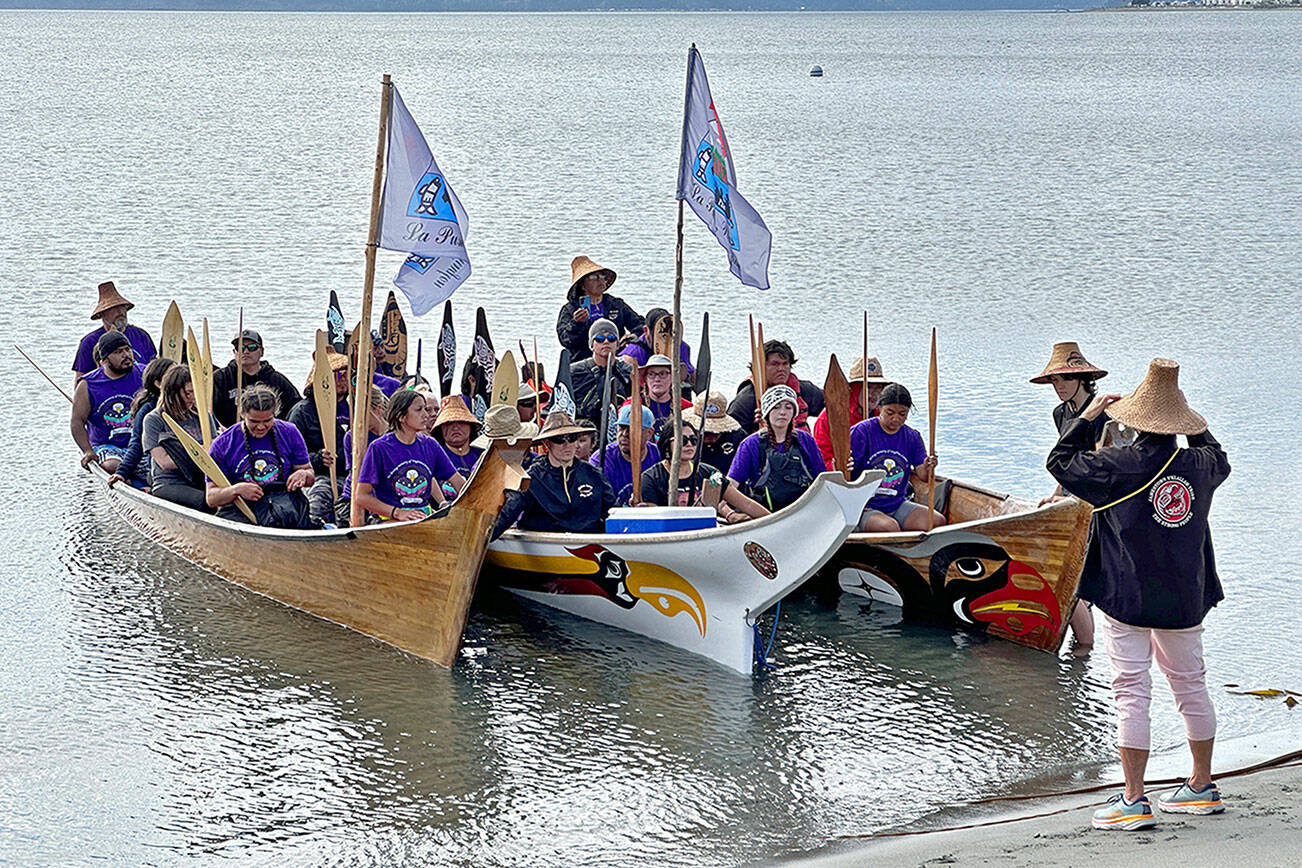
[
  {"x": 201, "y": 378},
  {"x": 173, "y": 336},
  {"x": 506, "y": 382},
  {"x": 204, "y": 461},
  {"x": 323, "y": 393}
]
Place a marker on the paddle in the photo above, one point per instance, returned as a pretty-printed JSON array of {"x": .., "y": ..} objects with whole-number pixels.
[
  {"x": 604, "y": 433},
  {"x": 538, "y": 384},
  {"x": 931, "y": 432},
  {"x": 506, "y": 383},
  {"x": 836, "y": 398},
  {"x": 239, "y": 367},
  {"x": 335, "y": 331},
  {"x": 763, "y": 361},
  {"x": 863, "y": 395},
  {"x": 481, "y": 353},
  {"x": 205, "y": 462},
  {"x": 756, "y": 366},
  {"x": 201, "y": 379},
  {"x": 173, "y": 334},
  {"x": 445, "y": 353},
  {"x": 703, "y": 358},
  {"x": 40, "y": 371},
  {"x": 418, "y": 348},
  {"x": 635, "y": 436},
  {"x": 393, "y": 339},
  {"x": 323, "y": 393}
]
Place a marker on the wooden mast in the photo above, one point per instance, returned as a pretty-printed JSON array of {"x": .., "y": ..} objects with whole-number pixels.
[
  {"x": 675, "y": 365},
  {"x": 239, "y": 361},
  {"x": 365, "y": 363},
  {"x": 931, "y": 430}
]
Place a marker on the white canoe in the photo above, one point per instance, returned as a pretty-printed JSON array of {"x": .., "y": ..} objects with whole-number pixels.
[{"x": 700, "y": 590}]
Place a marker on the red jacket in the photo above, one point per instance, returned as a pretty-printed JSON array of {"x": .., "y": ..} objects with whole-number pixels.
[{"x": 823, "y": 436}]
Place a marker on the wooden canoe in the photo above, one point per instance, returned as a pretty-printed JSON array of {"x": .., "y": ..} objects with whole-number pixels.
[
  {"x": 700, "y": 590},
  {"x": 1003, "y": 566},
  {"x": 409, "y": 584}
]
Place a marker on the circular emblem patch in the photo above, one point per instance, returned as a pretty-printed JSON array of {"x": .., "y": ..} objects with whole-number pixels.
[
  {"x": 761, "y": 560},
  {"x": 585, "y": 490},
  {"x": 1172, "y": 498}
]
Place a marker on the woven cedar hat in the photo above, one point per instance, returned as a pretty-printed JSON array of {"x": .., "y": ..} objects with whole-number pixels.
[
  {"x": 453, "y": 409},
  {"x": 874, "y": 372},
  {"x": 1067, "y": 359},
  {"x": 580, "y": 268},
  {"x": 1158, "y": 406},
  {"x": 338, "y": 362},
  {"x": 559, "y": 424},
  {"x": 714, "y": 407},
  {"x": 109, "y": 298}
]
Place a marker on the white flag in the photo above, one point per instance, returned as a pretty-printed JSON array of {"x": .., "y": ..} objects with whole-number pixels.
[
  {"x": 707, "y": 181},
  {"x": 421, "y": 215}
]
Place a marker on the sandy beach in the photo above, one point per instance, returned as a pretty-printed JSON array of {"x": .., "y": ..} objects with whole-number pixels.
[{"x": 1261, "y": 827}]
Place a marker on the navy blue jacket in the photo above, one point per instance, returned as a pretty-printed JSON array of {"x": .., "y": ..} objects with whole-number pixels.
[
  {"x": 571, "y": 499},
  {"x": 1150, "y": 561}
]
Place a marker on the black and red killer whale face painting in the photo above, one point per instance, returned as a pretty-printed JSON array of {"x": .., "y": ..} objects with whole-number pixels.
[{"x": 969, "y": 578}]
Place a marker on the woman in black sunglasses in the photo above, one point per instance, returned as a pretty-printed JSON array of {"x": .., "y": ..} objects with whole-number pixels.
[
  {"x": 564, "y": 495},
  {"x": 732, "y": 505}
]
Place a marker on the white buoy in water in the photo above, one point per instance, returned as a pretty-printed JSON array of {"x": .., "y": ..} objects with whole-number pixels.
[{"x": 816, "y": 71}]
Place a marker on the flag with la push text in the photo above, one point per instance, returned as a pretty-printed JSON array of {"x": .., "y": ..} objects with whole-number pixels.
[
  {"x": 421, "y": 216},
  {"x": 707, "y": 182}
]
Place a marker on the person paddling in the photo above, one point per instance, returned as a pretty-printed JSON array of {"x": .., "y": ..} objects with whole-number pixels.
[
  {"x": 174, "y": 476},
  {"x": 403, "y": 471},
  {"x": 775, "y": 465},
  {"x": 101, "y": 403},
  {"x": 732, "y": 505},
  {"x": 588, "y": 301},
  {"x": 112, "y": 313},
  {"x": 266, "y": 462},
  {"x": 885, "y": 442},
  {"x": 1151, "y": 571}
]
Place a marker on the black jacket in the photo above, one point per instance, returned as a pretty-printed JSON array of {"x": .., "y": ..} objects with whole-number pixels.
[
  {"x": 571, "y": 499},
  {"x": 589, "y": 380},
  {"x": 303, "y": 416},
  {"x": 742, "y": 407},
  {"x": 574, "y": 335},
  {"x": 223, "y": 391},
  {"x": 1150, "y": 561},
  {"x": 1063, "y": 413}
]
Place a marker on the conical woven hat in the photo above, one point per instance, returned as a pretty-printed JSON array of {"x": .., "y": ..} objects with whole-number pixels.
[
  {"x": 581, "y": 267},
  {"x": 559, "y": 423},
  {"x": 1068, "y": 359},
  {"x": 453, "y": 409},
  {"x": 1158, "y": 405},
  {"x": 109, "y": 298}
]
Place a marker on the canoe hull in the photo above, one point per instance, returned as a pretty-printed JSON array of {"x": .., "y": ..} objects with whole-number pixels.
[
  {"x": 697, "y": 590},
  {"x": 1012, "y": 573},
  {"x": 407, "y": 584}
]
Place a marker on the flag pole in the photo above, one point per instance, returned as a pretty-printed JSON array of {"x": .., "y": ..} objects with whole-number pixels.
[
  {"x": 239, "y": 363},
  {"x": 675, "y": 367},
  {"x": 362, "y": 398}
]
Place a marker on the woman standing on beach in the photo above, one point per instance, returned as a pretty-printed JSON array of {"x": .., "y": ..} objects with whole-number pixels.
[{"x": 1150, "y": 570}]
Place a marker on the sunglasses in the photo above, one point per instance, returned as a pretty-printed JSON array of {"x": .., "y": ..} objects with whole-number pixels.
[
  {"x": 252, "y": 348},
  {"x": 691, "y": 441},
  {"x": 567, "y": 438},
  {"x": 601, "y": 339}
]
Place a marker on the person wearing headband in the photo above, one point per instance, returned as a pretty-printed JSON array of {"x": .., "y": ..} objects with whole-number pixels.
[
  {"x": 101, "y": 403},
  {"x": 775, "y": 465},
  {"x": 885, "y": 442}
]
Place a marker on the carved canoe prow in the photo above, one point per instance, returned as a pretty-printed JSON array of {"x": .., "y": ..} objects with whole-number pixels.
[{"x": 408, "y": 584}]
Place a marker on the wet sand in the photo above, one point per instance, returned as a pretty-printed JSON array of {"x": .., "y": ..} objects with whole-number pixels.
[{"x": 1260, "y": 827}]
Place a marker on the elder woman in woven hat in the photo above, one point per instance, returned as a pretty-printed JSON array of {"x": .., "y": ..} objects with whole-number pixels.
[
  {"x": 588, "y": 300},
  {"x": 1150, "y": 570}
]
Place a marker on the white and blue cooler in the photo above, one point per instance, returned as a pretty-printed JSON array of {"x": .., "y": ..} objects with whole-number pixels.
[{"x": 659, "y": 519}]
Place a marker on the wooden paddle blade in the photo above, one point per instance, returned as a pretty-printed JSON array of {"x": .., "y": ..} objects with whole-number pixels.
[
  {"x": 836, "y": 399},
  {"x": 756, "y": 368},
  {"x": 323, "y": 394},
  {"x": 703, "y": 360},
  {"x": 336, "y": 332},
  {"x": 662, "y": 341},
  {"x": 201, "y": 379},
  {"x": 393, "y": 339},
  {"x": 506, "y": 381},
  {"x": 563, "y": 388},
  {"x": 865, "y": 357},
  {"x": 445, "y": 354},
  {"x": 173, "y": 335},
  {"x": 205, "y": 462},
  {"x": 763, "y": 361}
]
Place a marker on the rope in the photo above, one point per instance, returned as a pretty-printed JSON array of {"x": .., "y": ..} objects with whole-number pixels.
[
  {"x": 1288, "y": 760},
  {"x": 762, "y": 656}
]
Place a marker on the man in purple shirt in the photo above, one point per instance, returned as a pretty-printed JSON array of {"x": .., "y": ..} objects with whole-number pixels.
[
  {"x": 112, "y": 311},
  {"x": 615, "y": 462},
  {"x": 884, "y": 442},
  {"x": 101, "y": 403}
]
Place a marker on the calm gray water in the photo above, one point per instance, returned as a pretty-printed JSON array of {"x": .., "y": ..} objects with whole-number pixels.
[{"x": 1128, "y": 181}]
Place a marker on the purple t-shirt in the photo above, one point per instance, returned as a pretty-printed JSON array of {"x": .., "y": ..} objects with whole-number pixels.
[
  {"x": 464, "y": 463},
  {"x": 897, "y": 454},
  {"x": 404, "y": 476},
  {"x": 618, "y": 472},
  {"x": 637, "y": 350},
  {"x": 142, "y": 346},
  {"x": 109, "y": 421},
  {"x": 264, "y": 461},
  {"x": 347, "y": 473},
  {"x": 749, "y": 460},
  {"x": 388, "y": 385}
]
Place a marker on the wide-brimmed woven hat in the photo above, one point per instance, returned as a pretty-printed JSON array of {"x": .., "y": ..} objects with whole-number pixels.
[
  {"x": 1158, "y": 405},
  {"x": 714, "y": 408},
  {"x": 109, "y": 298},
  {"x": 581, "y": 267},
  {"x": 559, "y": 424},
  {"x": 874, "y": 372},
  {"x": 1068, "y": 359},
  {"x": 502, "y": 422},
  {"x": 338, "y": 362},
  {"x": 453, "y": 409}
]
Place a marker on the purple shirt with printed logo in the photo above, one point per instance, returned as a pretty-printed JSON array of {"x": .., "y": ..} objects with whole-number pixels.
[
  {"x": 109, "y": 421},
  {"x": 898, "y": 454},
  {"x": 142, "y": 348},
  {"x": 404, "y": 476},
  {"x": 264, "y": 460}
]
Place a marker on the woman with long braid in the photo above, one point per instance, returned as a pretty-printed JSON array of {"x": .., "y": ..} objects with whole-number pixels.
[
  {"x": 776, "y": 464},
  {"x": 266, "y": 461}
]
